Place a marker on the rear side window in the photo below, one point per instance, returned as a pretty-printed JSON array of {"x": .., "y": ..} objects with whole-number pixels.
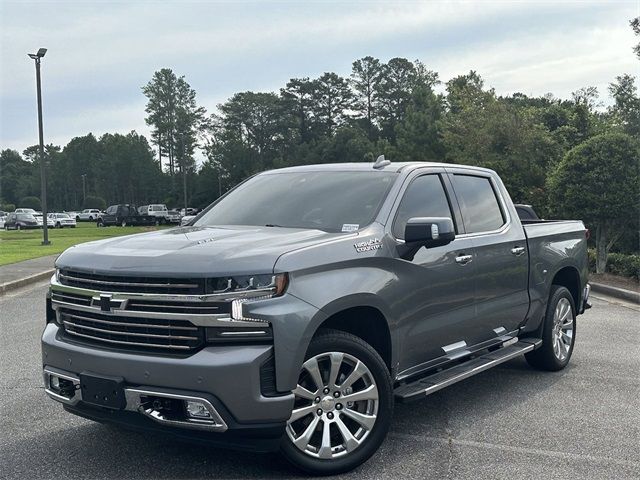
[
  {"x": 425, "y": 197},
  {"x": 481, "y": 211}
]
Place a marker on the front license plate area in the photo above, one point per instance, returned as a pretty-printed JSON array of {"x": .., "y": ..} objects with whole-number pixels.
[{"x": 103, "y": 391}]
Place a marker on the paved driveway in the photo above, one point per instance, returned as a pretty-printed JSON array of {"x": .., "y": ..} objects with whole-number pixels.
[{"x": 511, "y": 422}]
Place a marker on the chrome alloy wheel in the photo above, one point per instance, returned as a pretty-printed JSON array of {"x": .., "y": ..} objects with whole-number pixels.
[
  {"x": 336, "y": 406},
  {"x": 562, "y": 329}
]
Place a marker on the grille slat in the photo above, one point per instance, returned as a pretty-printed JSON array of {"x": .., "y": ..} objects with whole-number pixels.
[
  {"x": 112, "y": 283},
  {"x": 130, "y": 324},
  {"x": 130, "y": 344},
  {"x": 153, "y": 333},
  {"x": 132, "y": 334}
]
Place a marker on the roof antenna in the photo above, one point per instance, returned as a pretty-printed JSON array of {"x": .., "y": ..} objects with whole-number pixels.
[{"x": 381, "y": 162}]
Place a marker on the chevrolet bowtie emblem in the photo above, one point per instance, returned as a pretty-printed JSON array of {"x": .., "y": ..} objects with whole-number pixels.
[{"x": 106, "y": 302}]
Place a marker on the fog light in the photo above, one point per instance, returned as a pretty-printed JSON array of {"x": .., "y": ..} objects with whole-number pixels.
[
  {"x": 55, "y": 383},
  {"x": 197, "y": 409}
]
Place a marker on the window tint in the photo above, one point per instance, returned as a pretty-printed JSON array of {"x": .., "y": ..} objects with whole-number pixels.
[
  {"x": 425, "y": 197},
  {"x": 334, "y": 201},
  {"x": 480, "y": 208}
]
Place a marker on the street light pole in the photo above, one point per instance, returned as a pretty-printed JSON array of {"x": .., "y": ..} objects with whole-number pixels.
[
  {"x": 84, "y": 190},
  {"x": 43, "y": 174}
]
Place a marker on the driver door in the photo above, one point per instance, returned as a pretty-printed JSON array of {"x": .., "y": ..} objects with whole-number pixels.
[{"x": 438, "y": 284}]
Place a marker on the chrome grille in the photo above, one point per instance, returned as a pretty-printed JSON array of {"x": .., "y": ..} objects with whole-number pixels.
[
  {"x": 132, "y": 331},
  {"x": 180, "y": 286}
]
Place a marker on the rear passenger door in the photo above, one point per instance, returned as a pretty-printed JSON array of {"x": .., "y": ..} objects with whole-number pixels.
[{"x": 502, "y": 295}]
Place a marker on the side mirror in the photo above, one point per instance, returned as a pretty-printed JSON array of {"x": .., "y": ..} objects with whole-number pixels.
[
  {"x": 429, "y": 231},
  {"x": 426, "y": 232}
]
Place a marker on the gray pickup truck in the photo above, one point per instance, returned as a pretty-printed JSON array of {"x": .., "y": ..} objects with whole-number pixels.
[{"x": 292, "y": 312}]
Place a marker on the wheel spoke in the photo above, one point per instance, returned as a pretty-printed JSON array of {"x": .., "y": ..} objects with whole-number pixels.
[
  {"x": 566, "y": 338},
  {"x": 312, "y": 367},
  {"x": 336, "y": 361},
  {"x": 369, "y": 393},
  {"x": 367, "y": 421},
  {"x": 302, "y": 392},
  {"x": 299, "y": 413},
  {"x": 325, "y": 446},
  {"x": 358, "y": 371},
  {"x": 350, "y": 442},
  {"x": 303, "y": 440}
]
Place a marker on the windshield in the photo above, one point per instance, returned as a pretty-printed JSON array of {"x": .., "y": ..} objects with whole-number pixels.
[{"x": 331, "y": 201}]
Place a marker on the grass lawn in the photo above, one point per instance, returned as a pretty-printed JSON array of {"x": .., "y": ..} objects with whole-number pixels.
[{"x": 16, "y": 246}]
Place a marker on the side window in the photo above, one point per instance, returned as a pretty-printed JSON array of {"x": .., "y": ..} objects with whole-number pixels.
[
  {"x": 425, "y": 197},
  {"x": 481, "y": 211}
]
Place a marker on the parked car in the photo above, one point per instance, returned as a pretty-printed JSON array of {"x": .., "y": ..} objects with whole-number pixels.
[
  {"x": 61, "y": 220},
  {"x": 186, "y": 219},
  {"x": 306, "y": 301},
  {"x": 2, "y": 220},
  {"x": 125, "y": 215},
  {"x": 26, "y": 210},
  {"x": 173, "y": 216},
  {"x": 159, "y": 211},
  {"x": 188, "y": 211},
  {"x": 20, "y": 221},
  {"x": 88, "y": 215},
  {"x": 38, "y": 216}
]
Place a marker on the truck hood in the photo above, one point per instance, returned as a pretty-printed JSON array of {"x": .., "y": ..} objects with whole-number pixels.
[{"x": 191, "y": 251}]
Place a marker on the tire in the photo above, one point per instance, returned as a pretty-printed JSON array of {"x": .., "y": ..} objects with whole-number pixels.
[
  {"x": 99, "y": 224},
  {"x": 558, "y": 332},
  {"x": 58, "y": 225},
  {"x": 77, "y": 219},
  {"x": 332, "y": 347},
  {"x": 18, "y": 227},
  {"x": 124, "y": 223},
  {"x": 91, "y": 218}
]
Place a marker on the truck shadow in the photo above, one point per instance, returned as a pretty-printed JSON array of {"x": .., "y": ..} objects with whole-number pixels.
[{"x": 91, "y": 450}]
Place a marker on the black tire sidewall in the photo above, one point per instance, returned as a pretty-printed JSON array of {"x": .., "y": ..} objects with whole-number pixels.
[
  {"x": 545, "y": 356},
  {"x": 332, "y": 341}
]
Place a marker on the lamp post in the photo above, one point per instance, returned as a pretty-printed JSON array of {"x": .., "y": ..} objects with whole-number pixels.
[
  {"x": 43, "y": 173},
  {"x": 84, "y": 190}
]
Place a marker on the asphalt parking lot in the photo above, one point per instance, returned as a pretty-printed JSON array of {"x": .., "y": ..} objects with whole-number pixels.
[{"x": 510, "y": 422}]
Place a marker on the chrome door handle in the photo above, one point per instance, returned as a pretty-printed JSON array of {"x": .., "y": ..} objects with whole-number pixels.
[
  {"x": 464, "y": 259},
  {"x": 517, "y": 251}
]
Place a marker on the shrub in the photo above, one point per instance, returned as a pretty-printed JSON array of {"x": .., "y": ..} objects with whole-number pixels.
[
  {"x": 618, "y": 264},
  {"x": 7, "y": 207},
  {"x": 30, "y": 202},
  {"x": 94, "y": 202}
]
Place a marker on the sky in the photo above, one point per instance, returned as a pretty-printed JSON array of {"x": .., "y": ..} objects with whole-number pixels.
[{"x": 101, "y": 53}]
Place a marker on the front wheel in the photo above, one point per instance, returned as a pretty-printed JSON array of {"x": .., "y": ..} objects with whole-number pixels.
[
  {"x": 558, "y": 332},
  {"x": 343, "y": 405},
  {"x": 123, "y": 223}
]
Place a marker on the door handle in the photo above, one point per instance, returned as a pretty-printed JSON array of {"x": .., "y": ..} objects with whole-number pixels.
[
  {"x": 517, "y": 251},
  {"x": 463, "y": 259}
]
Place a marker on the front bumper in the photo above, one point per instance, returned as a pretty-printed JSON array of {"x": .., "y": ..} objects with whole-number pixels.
[{"x": 227, "y": 376}]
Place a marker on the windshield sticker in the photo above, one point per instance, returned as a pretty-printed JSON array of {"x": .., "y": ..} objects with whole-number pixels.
[
  {"x": 350, "y": 227},
  {"x": 368, "y": 246}
]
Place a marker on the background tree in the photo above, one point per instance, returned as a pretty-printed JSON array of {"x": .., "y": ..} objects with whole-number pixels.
[
  {"x": 598, "y": 181},
  {"x": 635, "y": 25},
  {"x": 365, "y": 77}
]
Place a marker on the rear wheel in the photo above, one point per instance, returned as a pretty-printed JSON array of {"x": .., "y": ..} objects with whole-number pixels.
[
  {"x": 18, "y": 227},
  {"x": 343, "y": 405},
  {"x": 99, "y": 224},
  {"x": 123, "y": 223},
  {"x": 58, "y": 225},
  {"x": 558, "y": 332}
]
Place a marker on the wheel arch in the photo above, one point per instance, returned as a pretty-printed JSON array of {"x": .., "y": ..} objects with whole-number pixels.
[
  {"x": 366, "y": 322},
  {"x": 569, "y": 277}
]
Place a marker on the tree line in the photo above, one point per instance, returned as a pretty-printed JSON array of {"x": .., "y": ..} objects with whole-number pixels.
[{"x": 398, "y": 108}]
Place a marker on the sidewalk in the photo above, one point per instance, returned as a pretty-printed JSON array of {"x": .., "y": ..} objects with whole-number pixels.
[{"x": 19, "y": 274}]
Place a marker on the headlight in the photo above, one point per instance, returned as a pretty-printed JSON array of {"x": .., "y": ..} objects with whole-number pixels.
[{"x": 249, "y": 286}]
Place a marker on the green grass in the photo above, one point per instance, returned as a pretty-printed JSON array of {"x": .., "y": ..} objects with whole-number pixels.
[{"x": 16, "y": 246}]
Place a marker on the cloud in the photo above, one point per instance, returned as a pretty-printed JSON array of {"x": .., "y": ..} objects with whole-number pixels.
[{"x": 101, "y": 53}]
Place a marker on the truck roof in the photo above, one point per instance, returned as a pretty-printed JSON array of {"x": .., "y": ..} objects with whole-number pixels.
[{"x": 395, "y": 167}]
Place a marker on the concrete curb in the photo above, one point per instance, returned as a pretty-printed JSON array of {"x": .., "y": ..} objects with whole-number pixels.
[
  {"x": 621, "y": 293},
  {"x": 6, "y": 287}
]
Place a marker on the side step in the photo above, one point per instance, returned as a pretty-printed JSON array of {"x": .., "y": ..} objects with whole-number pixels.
[{"x": 428, "y": 385}]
